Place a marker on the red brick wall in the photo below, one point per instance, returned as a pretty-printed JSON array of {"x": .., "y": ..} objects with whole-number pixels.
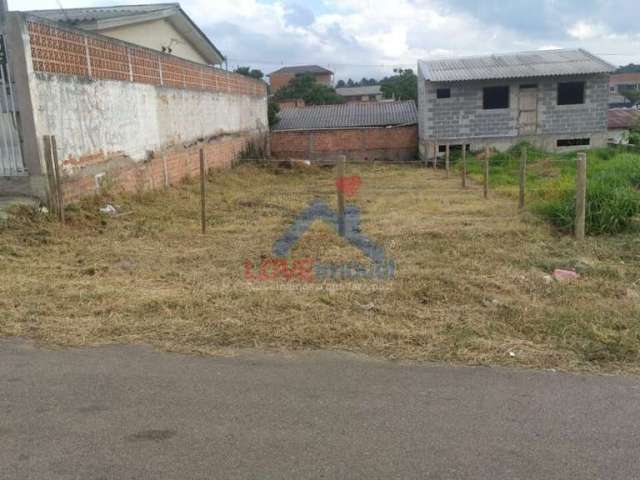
[
  {"x": 73, "y": 52},
  {"x": 399, "y": 143},
  {"x": 280, "y": 80},
  {"x": 177, "y": 163}
]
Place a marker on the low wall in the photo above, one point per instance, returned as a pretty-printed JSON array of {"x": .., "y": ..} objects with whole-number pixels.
[
  {"x": 365, "y": 144},
  {"x": 130, "y": 114}
]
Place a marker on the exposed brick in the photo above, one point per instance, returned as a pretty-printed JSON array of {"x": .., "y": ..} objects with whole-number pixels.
[
  {"x": 68, "y": 51},
  {"x": 137, "y": 176},
  {"x": 359, "y": 144}
]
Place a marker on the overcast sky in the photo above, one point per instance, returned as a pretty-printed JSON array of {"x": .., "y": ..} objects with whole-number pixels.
[{"x": 369, "y": 37}]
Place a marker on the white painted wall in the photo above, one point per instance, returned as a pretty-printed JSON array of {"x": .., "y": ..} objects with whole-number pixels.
[
  {"x": 116, "y": 118},
  {"x": 156, "y": 34}
]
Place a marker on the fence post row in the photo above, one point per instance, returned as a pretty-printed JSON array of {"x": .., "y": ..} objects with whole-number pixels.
[
  {"x": 340, "y": 192},
  {"x": 581, "y": 195},
  {"x": 486, "y": 172},
  {"x": 464, "y": 165},
  {"x": 523, "y": 178},
  {"x": 203, "y": 182},
  {"x": 447, "y": 158}
]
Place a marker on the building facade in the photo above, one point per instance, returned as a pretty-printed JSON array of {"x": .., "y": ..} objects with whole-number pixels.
[
  {"x": 281, "y": 77},
  {"x": 554, "y": 99},
  {"x": 620, "y": 82}
]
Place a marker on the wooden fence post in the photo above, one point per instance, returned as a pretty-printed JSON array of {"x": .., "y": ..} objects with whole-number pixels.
[
  {"x": 436, "y": 150},
  {"x": 581, "y": 195},
  {"x": 51, "y": 174},
  {"x": 56, "y": 168},
  {"x": 447, "y": 159},
  {"x": 340, "y": 192},
  {"x": 486, "y": 172},
  {"x": 523, "y": 178},
  {"x": 203, "y": 182},
  {"x": 464, "y": 165}
]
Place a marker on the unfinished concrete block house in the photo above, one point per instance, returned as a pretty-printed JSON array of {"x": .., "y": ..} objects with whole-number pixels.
[
  {"x": 555, "y": 99},
  {"x": 131, "y": 94}
]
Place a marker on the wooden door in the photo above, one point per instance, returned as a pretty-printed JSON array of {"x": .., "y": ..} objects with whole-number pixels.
[{"x": 528, "y": 110}]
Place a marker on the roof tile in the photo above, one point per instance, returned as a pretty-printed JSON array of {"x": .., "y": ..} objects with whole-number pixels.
[{"x": 348, "y": 115}]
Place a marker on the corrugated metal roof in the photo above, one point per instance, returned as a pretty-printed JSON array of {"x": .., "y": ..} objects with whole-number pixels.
[
  {"x": 348, "y": 115},
  {"x": 302, "y": 69},
  {"x": 359, "y": 91},
  {"x": 76, "y": 16},
  {"x": 540, "y": 63},
  {"x": 623, "y": 118}
]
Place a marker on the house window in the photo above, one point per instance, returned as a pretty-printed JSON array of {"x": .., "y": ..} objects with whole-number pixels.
[
  {"x": 570, "y": 93},
  {"x": 443, "y": 93},
  {"x": 495, "y": 97},
  {"x": 574, "y": 142}
]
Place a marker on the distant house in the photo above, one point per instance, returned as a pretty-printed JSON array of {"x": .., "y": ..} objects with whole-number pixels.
[
  {"x": 371, "y": 93},
  {"x": 621, "y": 121},
  {"x": 362, "y": 131},
  {"x": 554, "y": 99},
  {"x": 281, "y": 77},
  {"x": 164, "y": 27},
  {"x": 619, "y": 82}
]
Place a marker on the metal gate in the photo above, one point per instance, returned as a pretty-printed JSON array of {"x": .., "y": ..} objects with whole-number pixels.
[{"x": 11, "y": 163}]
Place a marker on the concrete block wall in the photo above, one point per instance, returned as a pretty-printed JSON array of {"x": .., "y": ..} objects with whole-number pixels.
[
  {"x": 116, "y": 109},
  {"x": 462, "y": 118},
  {"x": 365, "y": 144}
]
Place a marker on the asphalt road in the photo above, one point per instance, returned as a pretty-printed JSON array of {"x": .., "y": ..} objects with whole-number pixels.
[{"x": 133, "y": 413}]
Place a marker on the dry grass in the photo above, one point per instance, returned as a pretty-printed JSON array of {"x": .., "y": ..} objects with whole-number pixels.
[{"x": 469, "y": 288}]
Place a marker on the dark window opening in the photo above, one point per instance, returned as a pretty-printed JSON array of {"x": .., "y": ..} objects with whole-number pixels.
[
  {"x": 443, "y": 93},
  {"x": 528, "y": 86},
  {"x": 574, "y": 142},
  {"x": 570, "y": 93},
  {"x": 495, "y": 97}
]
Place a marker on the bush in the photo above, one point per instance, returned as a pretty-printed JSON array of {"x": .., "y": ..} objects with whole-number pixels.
[{"x": 613, "y": 199}]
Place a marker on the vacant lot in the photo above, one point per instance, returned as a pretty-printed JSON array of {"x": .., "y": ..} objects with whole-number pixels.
[{"x": 470, "y": 283}]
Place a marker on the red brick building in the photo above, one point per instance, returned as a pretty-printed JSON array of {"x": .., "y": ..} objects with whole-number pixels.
[
  {"x": 384, "y": 131},
  {"x": 281, "y": 78}
]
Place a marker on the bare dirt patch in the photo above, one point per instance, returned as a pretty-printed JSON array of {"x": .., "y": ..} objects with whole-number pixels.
[{"x": 470, "y": 284}]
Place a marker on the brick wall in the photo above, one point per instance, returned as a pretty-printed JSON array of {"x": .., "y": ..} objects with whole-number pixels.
[
  {"x": 366, "y": 144},
  {"x": 129, "y": 115},
  {"x": 64, "y": 51},
  {"x": 462, "y": 115},
  {"x": 162, "y": 169}
]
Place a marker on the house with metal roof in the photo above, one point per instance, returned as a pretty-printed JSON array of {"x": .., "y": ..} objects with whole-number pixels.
[
  {"x": 372, "y": 131},
  {"x": 281, "y": 77},
  {"x": 164, "y": 27},
  {"x": 555, "y": 99},
  {"x": 621, "y": 122},
  {"x": 370, "y": 93}
]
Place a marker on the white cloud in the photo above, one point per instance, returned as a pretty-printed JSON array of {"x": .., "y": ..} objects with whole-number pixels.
[
  {"x": 583, "y": 30},
  {"x": 349, "y": 36}
]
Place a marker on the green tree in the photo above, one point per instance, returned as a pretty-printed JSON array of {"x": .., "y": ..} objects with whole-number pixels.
[
  {"x": 272, "y": 111},
  {"x": 631, "y": 68},
  {"x": 631, "y": 94},
  {"x": 341, "y": 84},
  {"x": 250, "y": 72},
  {"x": 401, "y": 86},
  {"x": 313, "y": 93}
]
